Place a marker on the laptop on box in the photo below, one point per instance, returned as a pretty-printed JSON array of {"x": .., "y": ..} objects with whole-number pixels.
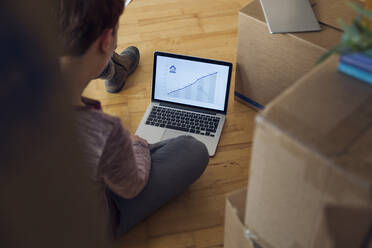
[
  {"x": 284, "y": 16},
  {"x": 189, "y": 97}
]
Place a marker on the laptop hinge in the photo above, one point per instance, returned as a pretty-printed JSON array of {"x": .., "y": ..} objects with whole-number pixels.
[{"x": 205, "y": 111}]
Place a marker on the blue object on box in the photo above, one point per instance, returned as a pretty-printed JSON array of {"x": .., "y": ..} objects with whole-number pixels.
[
  {"x": 248, "y": 100},
  {"x": 358, "y": 60},
  {"x": 355, "y": 72}
]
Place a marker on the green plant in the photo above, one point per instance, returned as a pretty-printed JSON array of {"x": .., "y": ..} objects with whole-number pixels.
[{"x": 357, "y": 37}]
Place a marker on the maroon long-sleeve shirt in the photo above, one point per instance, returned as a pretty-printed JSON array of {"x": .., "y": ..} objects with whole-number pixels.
[{"x": 108, "y": 150}]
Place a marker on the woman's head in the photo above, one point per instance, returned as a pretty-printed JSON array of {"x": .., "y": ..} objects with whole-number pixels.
[{"x": 81, "y": 22}]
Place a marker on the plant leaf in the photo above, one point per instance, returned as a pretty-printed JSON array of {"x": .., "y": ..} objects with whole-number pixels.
[
  {"x": 324, "y": 56},
  {"x": 360, "y": 10}
]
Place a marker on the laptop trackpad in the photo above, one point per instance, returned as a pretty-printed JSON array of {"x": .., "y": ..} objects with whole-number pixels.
[{"x": 169, "y": 134}]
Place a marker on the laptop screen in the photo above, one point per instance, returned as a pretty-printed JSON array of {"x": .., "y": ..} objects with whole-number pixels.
[{"x": 191, "y": 81}]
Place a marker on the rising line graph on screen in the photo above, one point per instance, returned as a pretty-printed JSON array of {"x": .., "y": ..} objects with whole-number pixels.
[{"x": 202, "y": 89}]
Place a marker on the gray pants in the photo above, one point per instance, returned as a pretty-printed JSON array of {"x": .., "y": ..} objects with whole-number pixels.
[{"x": 175, "y": 164}]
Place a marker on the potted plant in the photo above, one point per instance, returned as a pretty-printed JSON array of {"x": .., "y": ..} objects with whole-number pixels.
[{"x": 355, "y": 46}]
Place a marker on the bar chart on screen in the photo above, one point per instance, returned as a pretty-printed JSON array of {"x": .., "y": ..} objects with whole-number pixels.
[{"x": 202, "y": 89}]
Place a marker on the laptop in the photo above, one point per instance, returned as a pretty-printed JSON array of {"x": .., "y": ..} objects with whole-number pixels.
[
  {"x": 284, "y": 16},
  {"x": 189, "y": 97}
]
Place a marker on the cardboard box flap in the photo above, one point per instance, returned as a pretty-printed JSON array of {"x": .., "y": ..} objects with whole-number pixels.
[
  {"x": 254, "y": 10},
  {"x": 234, "y": 221},
  {"x": 238, "y": 198},
  {"x": 332, "y": 115},
  {"x": 330, "y": 11},
  {"x": 326, "y": 39}
]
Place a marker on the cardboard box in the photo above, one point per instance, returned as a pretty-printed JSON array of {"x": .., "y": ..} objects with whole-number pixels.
[
  {"x": 311, "y": 171},
  {"x": 267, "y": 63},
  {"x": 234, "y": 221}
]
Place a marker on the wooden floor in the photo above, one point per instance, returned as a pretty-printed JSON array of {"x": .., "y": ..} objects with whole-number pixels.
[{"x": 206, "y": 28}]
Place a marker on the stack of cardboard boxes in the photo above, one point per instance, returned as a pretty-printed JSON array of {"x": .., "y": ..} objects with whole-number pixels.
[{"x": 311, "y": 170}]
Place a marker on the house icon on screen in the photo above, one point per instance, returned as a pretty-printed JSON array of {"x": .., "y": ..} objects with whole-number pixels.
[{"x": 172, "y": 69}]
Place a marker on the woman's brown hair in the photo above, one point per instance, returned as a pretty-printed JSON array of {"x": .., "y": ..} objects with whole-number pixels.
[{"x": 81, "y": 22}]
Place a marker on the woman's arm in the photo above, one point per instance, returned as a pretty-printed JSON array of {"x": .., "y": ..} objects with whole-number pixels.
[{"x": 125, "y": 162}]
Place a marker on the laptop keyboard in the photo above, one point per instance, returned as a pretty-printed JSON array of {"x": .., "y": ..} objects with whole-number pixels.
[{"x": 183, "y": 121}]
